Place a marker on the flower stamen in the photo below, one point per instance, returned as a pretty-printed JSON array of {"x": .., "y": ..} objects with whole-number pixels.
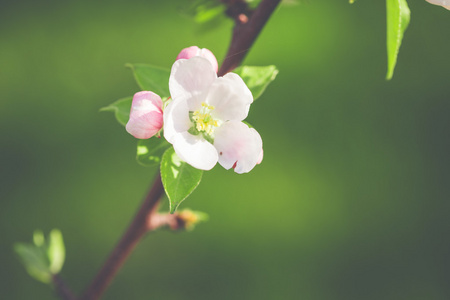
[{"x": 203, "y": 119}]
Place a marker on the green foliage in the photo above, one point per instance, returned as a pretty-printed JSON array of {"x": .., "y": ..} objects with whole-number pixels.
[
  {"x": 56, "y": 251},
  {"x": 257, "y": 78},
  {"x": 204, "y": 11},
  {"x": 150, "y": 151},
  {"x": 42, "y": 259},
  {"x": 208, "y": 14},
  {"x": 151, "y": 78},
  {"x": 179, "y": 178},
  {"x": 397, "y": 16},
  {"x": 121, "y": 109}
]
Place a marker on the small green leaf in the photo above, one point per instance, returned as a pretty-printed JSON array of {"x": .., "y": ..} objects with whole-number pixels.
[
  {"x": 38, "y": 238},
  {"x": 43, "y": 258},
  {"x": 179, "y": 178},
  {"x": 121, "y": 109},
  {"x": 151, "y": 78},
  {"x": 208, "y": 12},
  {"x": 397, "y": 16},
  {"x": 35, "y": 261},
  {"x": 257, "y": 78},
  {"x": 150, "y": 151},
  {"x": 205, "y": 12},
  {"x": 56, "y": 251}
]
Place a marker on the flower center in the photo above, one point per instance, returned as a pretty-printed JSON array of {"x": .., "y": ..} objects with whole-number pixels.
[{"x": 203, "y": 120}]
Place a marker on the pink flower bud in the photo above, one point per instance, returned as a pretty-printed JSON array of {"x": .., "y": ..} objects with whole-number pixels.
[
  {"x": 146, "y": 116},
  {"x": 190, "y": 52}
]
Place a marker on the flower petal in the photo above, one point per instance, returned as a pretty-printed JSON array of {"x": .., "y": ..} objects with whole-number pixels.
[
  {"x": 206, "y": 53},
  {"x": 260, "y": 158},
  {"x": 146, "y": 117},
  {"x": 192, "y": 51},
  {"x": 443, "y": 3},
  {"x": 190, "y": 80},
  {"x": 176, "y": 119},
  {"x": 195, "y": 150},
  {"x": 230, "y": 97},
  {"x": 188, "y": 52},
  {"x": 239, "y": 146}
]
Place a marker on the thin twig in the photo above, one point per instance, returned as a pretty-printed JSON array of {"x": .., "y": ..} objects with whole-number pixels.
[
  {"x": 126, "y": 245},
  {"x": 245, "y": 33},
  {"x": 62, "y": 289}
]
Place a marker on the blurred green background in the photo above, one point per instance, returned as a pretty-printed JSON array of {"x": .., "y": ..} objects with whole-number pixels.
[{"x": 350, "y": 202}]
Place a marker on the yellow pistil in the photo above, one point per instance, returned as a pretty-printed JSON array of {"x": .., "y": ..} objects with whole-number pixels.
[{"x": 203, "y": 119}]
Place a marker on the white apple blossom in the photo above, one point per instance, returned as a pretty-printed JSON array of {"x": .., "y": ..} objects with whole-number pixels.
[{"x": 204, "y": 119}]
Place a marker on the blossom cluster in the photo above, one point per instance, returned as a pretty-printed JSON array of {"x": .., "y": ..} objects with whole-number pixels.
[{"x": 203, "y": 118}]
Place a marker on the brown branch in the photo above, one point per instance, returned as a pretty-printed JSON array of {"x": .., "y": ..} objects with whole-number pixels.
[
  {"x": 62, "y": 290},
  {"x": 134, "y": 233},
  {"x": 245, "y": 33}
]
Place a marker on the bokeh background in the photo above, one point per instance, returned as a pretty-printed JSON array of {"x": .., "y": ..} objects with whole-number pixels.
[{"x": 351, "y": 201}]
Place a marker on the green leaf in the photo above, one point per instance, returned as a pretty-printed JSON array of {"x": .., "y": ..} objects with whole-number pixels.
[
  {"x": 56, "y": 251},
  {"x": 179, "y": 178},
  {"x": 150, "y": 151},
  {"x": 35, "y": 261},
  {"x": 121, "y": 109},
  {"x": 397, "y": 16},
  {"x": 43, "y": 258},
  {"x": 151, "y": 78},
  {"x": 257, "y": 78},
  {"x": 205, "y": 12},
  {"x": 208, "y": 11},
  {"x": 38, "y": 238}
]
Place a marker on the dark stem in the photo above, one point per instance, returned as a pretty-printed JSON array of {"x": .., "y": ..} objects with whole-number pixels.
[
  {"x": 62, "y": 289},
  {"x": 248, "y": 25},
  {"x": 134, "y": 233}
]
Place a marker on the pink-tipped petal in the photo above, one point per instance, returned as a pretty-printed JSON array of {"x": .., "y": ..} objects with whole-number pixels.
[
  {"x": 195, "y": 150},
  {"x": 190, "y": 80},
  {"x": 146, "y": 116},
  {"x": 192, "y": 51},
  {"x": 239, "y": 146},
  {"x": 188, "y": 52},
  {"x": 230, "y": 97}
]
